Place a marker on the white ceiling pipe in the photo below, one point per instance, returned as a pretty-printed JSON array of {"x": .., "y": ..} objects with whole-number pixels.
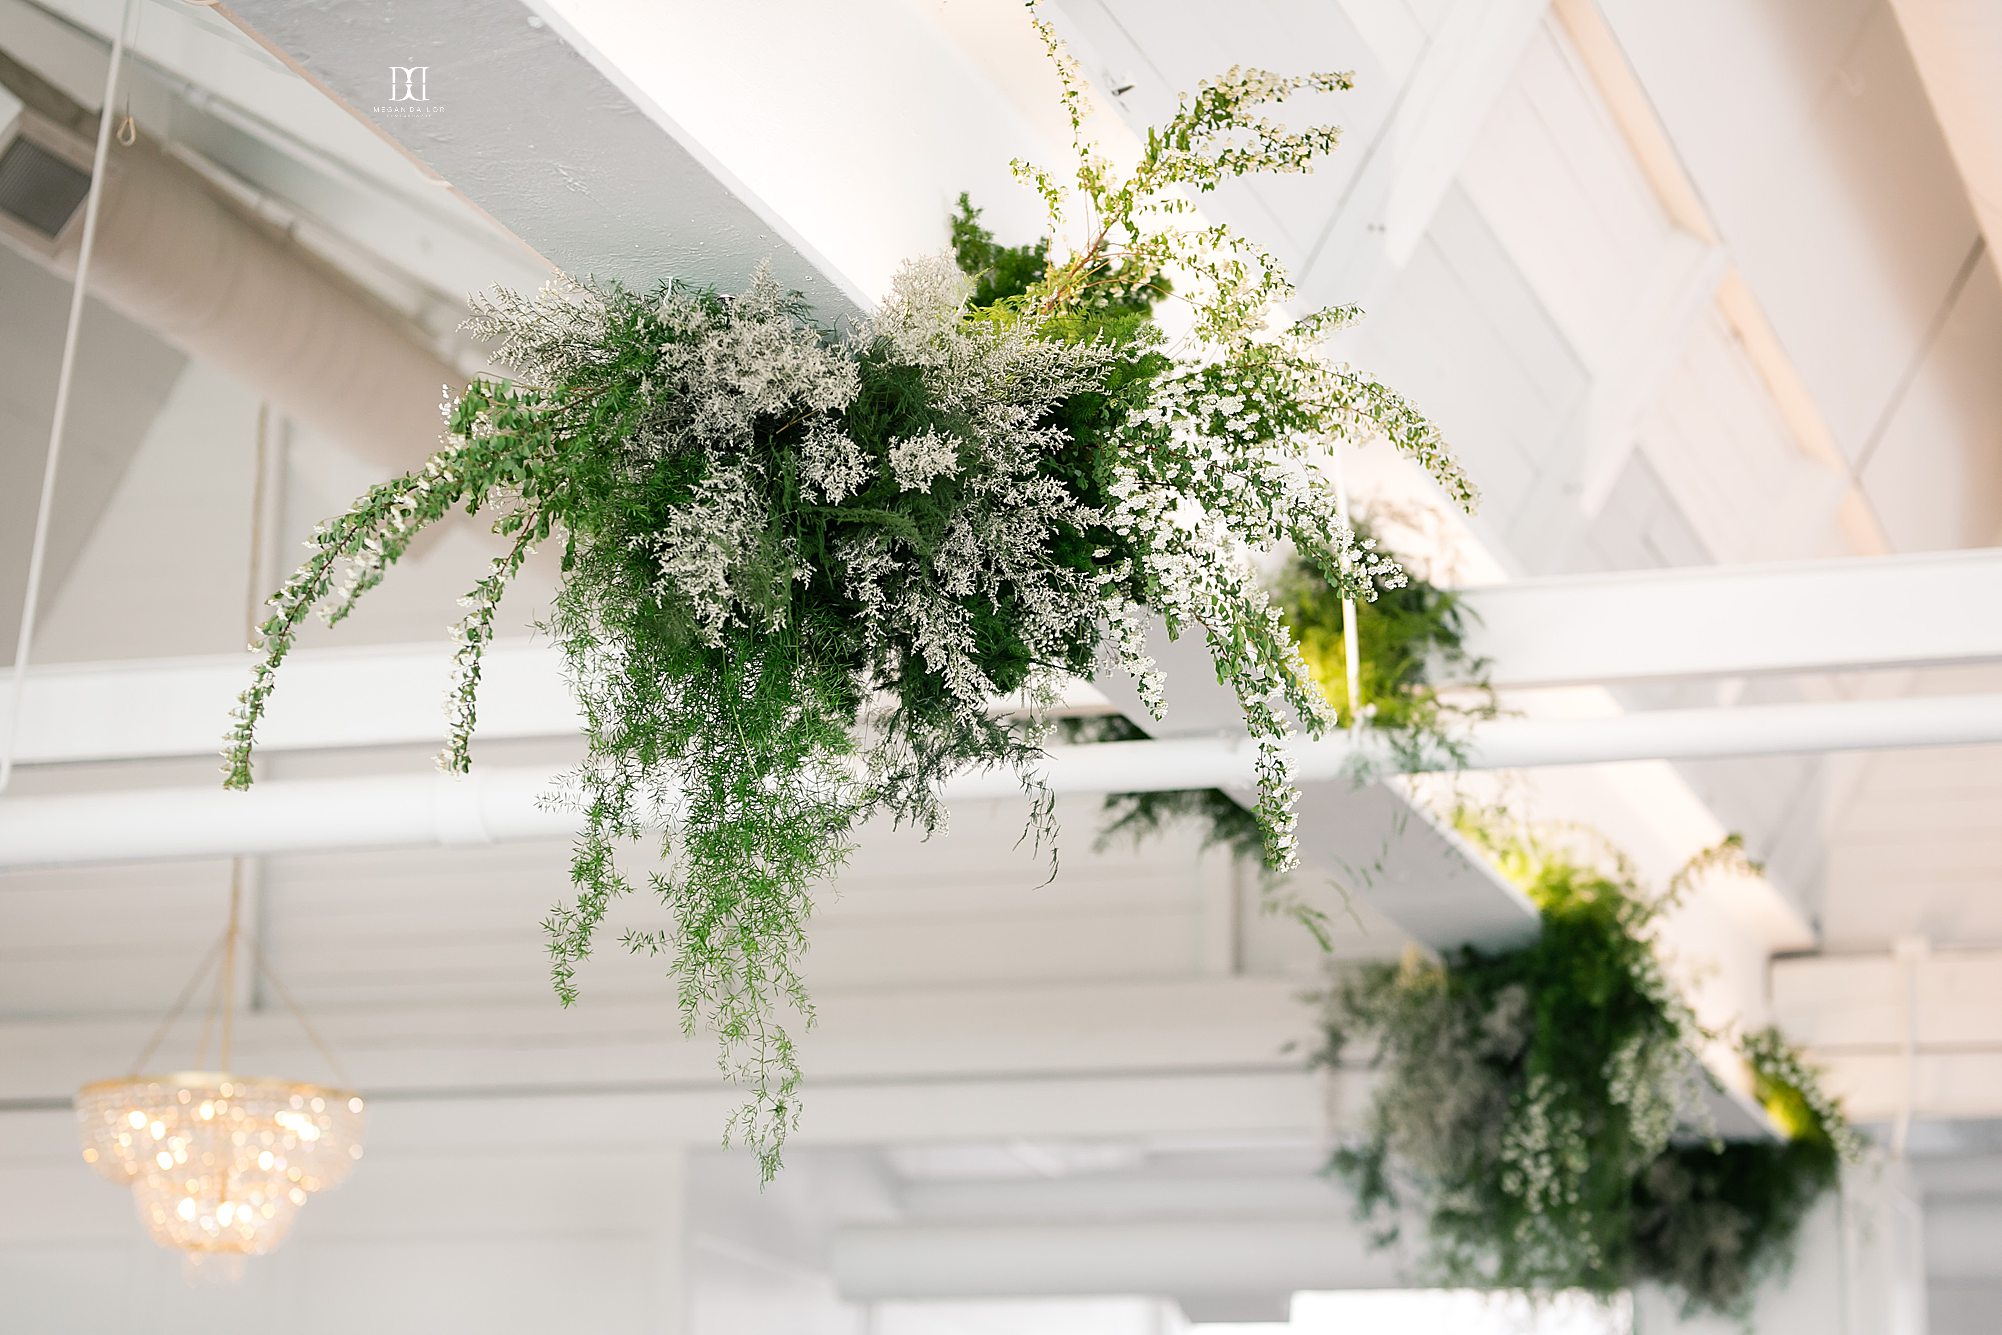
[
  {"x": 1957, "y": 46},
  {"x": 496, "y": 804},
  {"x": 173, "y": 256}
]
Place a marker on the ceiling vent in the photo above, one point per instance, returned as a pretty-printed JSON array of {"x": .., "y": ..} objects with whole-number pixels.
[
  {"x": 38, "y": 189},
  {"x": 44, "y": 178}
]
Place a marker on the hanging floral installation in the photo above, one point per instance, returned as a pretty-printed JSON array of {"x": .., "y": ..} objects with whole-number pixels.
[
  {"x": 799, "y": 566},
  {"x": 1532, "y": 1108}
]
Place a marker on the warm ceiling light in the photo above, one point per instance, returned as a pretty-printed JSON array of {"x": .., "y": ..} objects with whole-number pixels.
[{"x": 219, "y": 1164}]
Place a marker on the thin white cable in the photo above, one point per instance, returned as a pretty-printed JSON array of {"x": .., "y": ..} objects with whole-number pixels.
[
  {"x": 24, "y": 640},
  {"x": 1351, "y": 649}
]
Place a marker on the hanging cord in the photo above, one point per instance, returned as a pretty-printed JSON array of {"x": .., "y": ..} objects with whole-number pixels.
[
  {"x": 256, "y": 584},
  {"x": 24, "y": 641},
  {"x": 229, "y": 946},
  {"x": 208, "y": 1022},
  {"x": 1351, "y": 649}
]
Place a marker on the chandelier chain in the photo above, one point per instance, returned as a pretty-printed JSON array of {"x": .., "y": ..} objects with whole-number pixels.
[
  {"x": 230, "y": 937},
  {"x": 201, "y": 972},
  {"x": 270, "y": 976}
]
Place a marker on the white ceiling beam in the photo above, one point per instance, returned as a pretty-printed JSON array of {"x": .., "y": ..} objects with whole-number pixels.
[
  {"x": 992, "y": 1032},
  {"x": 1181, "y": 1258},
  {"x": 1628, "y": 375},
  {"x": 1469, "y": 63},
  {"x": 360, "y": 696},
  {"x": 1609, "y": 629},
  {"x": 1283, "y": 1104},
  {"x": 373, "y": 695},
  {"x": 1919, "y": 1034},
  {"x": 1465, "y": 68},
  {"x": 1919, "y": 610},
  {"x": 1406, "y": 170},
  {"x": 546, "y": 137},
  {"x": 1085, "y": 1060}
]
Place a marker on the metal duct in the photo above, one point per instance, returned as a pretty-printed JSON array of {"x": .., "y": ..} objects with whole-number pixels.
[
  {"x": 1957, "y": 46},
  {"x": 178, "y": 258}
]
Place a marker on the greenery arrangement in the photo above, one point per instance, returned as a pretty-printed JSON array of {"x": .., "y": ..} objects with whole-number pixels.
[
  {"x": 1530, "y": 1103},
  {"x": 800, "y": 566},
  {"x": 1713, "y": 1221}
]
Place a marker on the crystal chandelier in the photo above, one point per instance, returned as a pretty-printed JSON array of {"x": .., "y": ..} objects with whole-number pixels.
[{"x": 220, "y": 1164}]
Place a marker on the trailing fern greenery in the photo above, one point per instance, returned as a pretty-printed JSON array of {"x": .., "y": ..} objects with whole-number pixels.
[
  {"x": 799, "y": 567},
  {"x": 1529, "y": 1112}
]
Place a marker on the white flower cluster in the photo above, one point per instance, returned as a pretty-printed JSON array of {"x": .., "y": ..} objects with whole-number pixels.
[
  {"x": 997, "y": 385},
  {"x": 1545, "y": 1154},
  {"x": 1220, "y": 464},
  {"x": 556, "y": 331},
  {"x": 1225, "y": 458},
  {"x": 1651, "y": 1079}
]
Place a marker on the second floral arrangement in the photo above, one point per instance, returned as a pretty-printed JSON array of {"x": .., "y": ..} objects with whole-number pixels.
[{"x": 1538, "y": 1123}]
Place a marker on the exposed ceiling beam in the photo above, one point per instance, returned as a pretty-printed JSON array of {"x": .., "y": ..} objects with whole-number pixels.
[
  {"x": 543, "y": 135},
  {"x": 1230, "y": 1103},
  {"x": 1238, "y": 1025},
  {"x": 1088, "y": 1060},
  {"x": 1723, "y": 621},
  {"x": 1611, "y": 629},
  {"x": 1214, "y": 1258},
  {"x": 1919, "y": 1035},
  {"x": 1406, "y": 169},
  {"x": 1955, "y": 44},
  {"x": 165, "y": 708}
]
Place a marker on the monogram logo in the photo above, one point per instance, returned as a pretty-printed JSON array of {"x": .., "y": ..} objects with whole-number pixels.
[{"x": 406, "y": 83}]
